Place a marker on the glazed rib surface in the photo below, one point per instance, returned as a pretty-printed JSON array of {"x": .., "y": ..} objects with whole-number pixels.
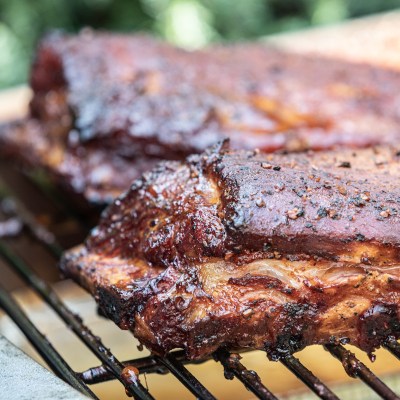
[
  {"x": 239, "y": 249},
  {"x": 130, "y": 97}
]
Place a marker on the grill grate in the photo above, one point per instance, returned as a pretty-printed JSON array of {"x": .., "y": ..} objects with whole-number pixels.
[
  {"x": 173, "y": 363},
  {"x": 356, "y": 368}
]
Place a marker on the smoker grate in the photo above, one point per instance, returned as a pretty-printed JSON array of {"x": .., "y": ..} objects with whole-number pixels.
[{"x": 174, "y": 363}]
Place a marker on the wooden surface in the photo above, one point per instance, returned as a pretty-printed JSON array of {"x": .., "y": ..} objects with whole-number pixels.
[
  {"x": 14, "y": 103},
  {"x": 374, "y": 40}
]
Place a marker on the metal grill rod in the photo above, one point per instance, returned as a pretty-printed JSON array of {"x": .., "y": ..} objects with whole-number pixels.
[
  {"x": 41, "y": 344},
  {"x": 74, "y": 322},
  {"x": 250, "y": 379},
  {"x": 355, "y": 368},
  {"x": 393, "y": 347},
  {"x": 103, "y": 374},
  {"x": 307, "y": 377},
  {"x": 144, "y": 365},
  {"x": 184, "y": 376},
  {"x": 152, "y": 364}
]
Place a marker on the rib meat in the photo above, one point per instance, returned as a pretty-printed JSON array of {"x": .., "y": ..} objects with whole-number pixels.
[
  {"x": 241, "y": 249},
  {"x": 93, "y": 172},
  {"x": 117, "y": 99}
]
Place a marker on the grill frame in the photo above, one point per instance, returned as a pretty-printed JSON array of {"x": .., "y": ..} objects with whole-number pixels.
[{"x": 174, "y": 363}]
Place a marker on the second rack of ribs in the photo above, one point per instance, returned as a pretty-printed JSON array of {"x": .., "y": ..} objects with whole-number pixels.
[
  {"x": 99, "y": 119},
  {"x": 240, "y": 249}
]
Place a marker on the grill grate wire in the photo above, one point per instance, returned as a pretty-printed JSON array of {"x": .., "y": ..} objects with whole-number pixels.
[
  {"x": 42, "y": 345},
  {"x": 73, "y": 321},
  {"x": 112, "y": 368},
  {"x": 356, "y": 368}
]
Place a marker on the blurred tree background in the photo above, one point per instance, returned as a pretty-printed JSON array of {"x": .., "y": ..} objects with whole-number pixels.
[{"x": 187, "y": 23}]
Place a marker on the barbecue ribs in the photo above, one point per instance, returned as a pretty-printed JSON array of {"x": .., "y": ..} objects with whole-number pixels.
[
  {"x": 106, "y": 107},
  {"x": 241, "y": 249}
]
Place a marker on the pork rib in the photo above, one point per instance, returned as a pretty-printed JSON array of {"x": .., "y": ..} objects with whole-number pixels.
[
  {"x": 115, "y": 99},
  {"x": 240, "y": 249}
]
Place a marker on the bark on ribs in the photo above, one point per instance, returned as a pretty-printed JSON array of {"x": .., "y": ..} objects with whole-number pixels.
[
  {"x": 239, "y": 249},
  {"x": 141, "y": 97}
]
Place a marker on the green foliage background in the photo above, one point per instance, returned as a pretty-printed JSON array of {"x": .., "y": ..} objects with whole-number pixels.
[{"x": 188, "y": 23}]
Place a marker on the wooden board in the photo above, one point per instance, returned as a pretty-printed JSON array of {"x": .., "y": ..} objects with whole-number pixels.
[
  {"x": 374, "y": 40},
  {"x": 14, "y": 103}
]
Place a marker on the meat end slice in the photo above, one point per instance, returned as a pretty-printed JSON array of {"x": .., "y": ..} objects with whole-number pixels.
[{"x": 244, "y": 250}]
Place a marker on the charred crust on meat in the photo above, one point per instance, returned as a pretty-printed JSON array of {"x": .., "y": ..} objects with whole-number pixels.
[
  {"x": 100, "y": 119},
  {"x": 216, "y": 269}
]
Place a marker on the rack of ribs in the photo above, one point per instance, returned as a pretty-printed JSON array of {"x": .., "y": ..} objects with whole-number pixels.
[
  {"x": 241, "y": 249},
  {"x": 107, "y": 107}
]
